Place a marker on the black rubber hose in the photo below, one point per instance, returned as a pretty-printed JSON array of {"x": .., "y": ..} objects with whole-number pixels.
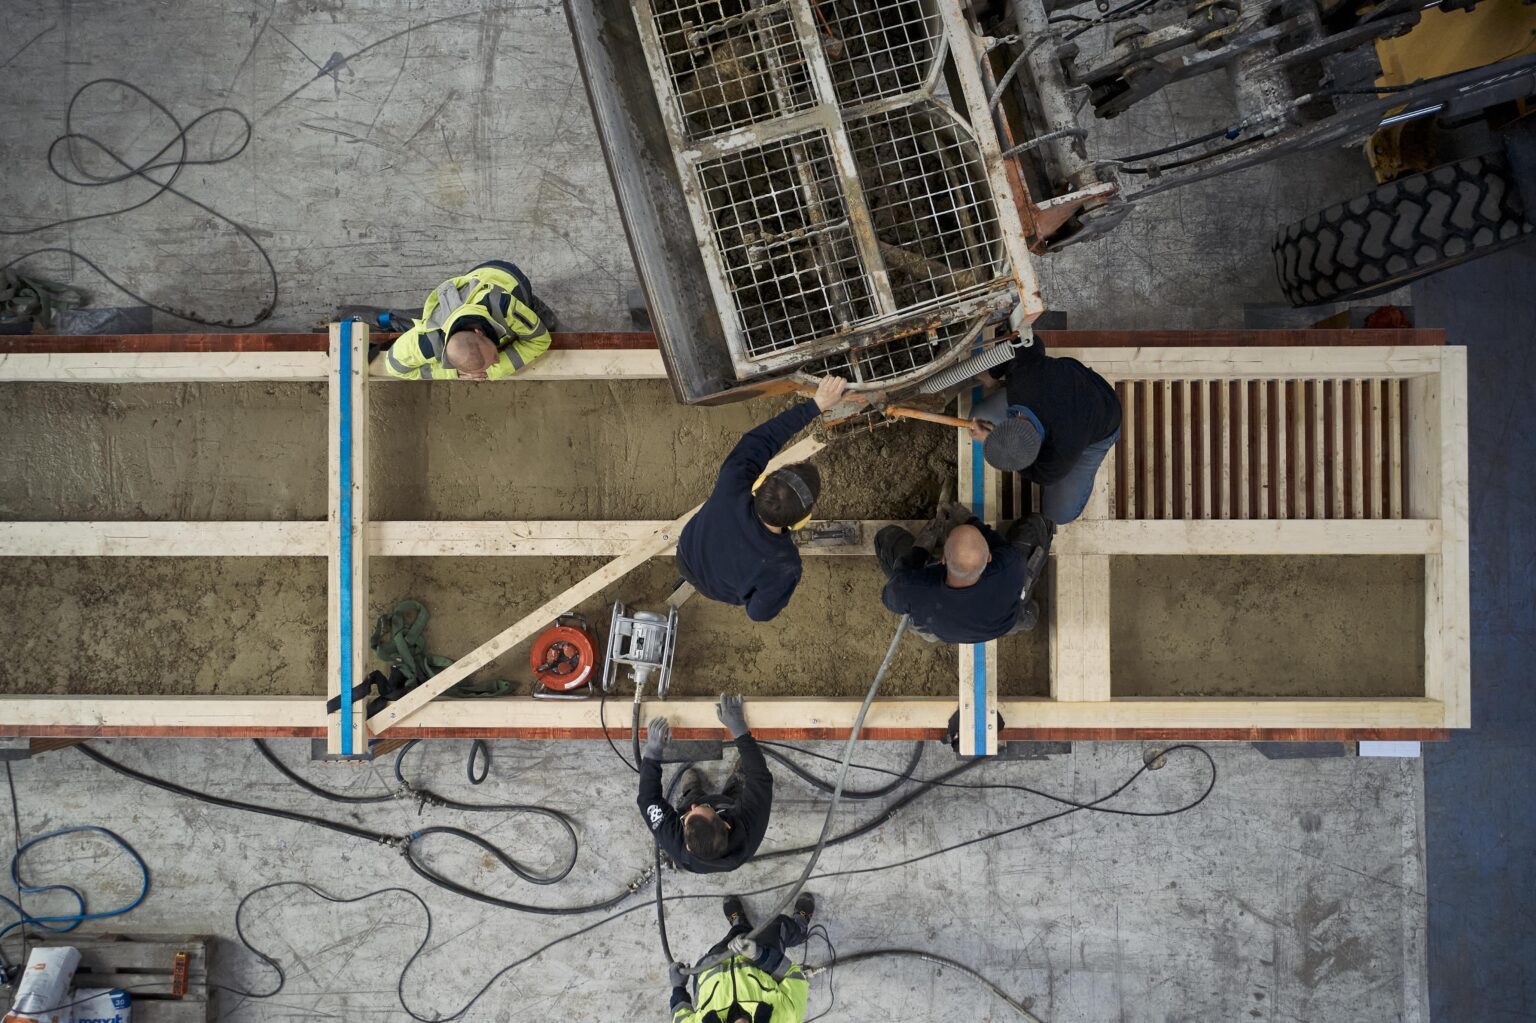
[
  {"x": 311, "y": 787},
  {"x": 661, "y": 906},
  {"x": 885, "y": 815},
  {"x": 931, "y": 957},
  {"x": 822, "y": 785},
  {"x": 405, "y": 844}
]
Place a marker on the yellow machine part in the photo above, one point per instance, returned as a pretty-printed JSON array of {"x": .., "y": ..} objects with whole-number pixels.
[{"x": 1443, "y": 43}]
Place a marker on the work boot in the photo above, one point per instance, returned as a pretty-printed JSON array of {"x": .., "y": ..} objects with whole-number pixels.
[
  {"x": 805, "y": 907},
  {"x": 736, "y": 912},
  {"x": 1029, "y": 617},
  {"x": 691, "y": 788}
]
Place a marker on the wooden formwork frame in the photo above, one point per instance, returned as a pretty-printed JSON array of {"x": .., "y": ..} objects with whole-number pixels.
[{"x": 1081, "y": 704}]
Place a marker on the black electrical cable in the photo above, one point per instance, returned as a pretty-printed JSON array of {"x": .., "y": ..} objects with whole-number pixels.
[
  {"x": 481, "y": 750},
  {"x": 312, "y": 788},
  {"x": 1175, "y": 147},
  {"x": 931, "y": 957},
  {"x": 143, "y": 170},
  {"x": 661, "y": 909},
  {"x": 26, "y": 951},
  {"x": 602, "y": 718},
  {"x": 1071, "y": 808},
  {"x": 403, "y": 844},
  {"x": 823, "y": 785},
  {"x": 1176, "y": 164}
]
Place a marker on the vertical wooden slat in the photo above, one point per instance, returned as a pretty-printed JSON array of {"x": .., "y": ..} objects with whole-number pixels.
[
  {"x": 1395, "y": 449},
  {"x": 978, "y": 662},
  {"x": 1373, "y": 449},
  {"x": 1240, "y": 481},
  {"x": 347, "y": 619},
  {"x": 1337, "y": 446},
  {"x": 1224, "y": 425},
  {"x": 1130, "y": 439},
  {"x": 1165, "y": 470},
  {"x": 1203, "y": 497},
  {"x": 1299, "y": 483},
  {"x": 1319, "y": 433},
  {"x": 1357, "y": 448},
  {"x": 1148, "y": 455},
  {"x": 1282, "y": 413},
  {"x": 1187, "y": 440},
  {"x": 1262, "y": 498}
]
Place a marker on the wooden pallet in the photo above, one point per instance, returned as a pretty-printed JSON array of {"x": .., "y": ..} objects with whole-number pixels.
[{"x": 163, "y": 989}]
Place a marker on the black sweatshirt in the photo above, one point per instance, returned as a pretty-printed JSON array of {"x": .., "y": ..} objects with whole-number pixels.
[
  {"x": 1076, "y": 406},
  {"x": 725, "y": 550},
  {"x": 983, "y": 611},
  {"x": 748, "y": 816}
]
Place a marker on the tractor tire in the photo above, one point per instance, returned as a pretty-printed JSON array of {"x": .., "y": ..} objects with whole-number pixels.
[{"x": 1401, "y": 231}]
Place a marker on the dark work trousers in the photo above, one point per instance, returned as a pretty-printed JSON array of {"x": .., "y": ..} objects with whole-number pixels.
[
  {"x": 525, "y": 291},
  {"x": 784, "y": 932}
]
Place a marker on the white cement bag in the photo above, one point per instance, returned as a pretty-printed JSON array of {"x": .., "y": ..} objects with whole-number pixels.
[
  {"x": 44, "y": 986},
  {"x": 101, "y": 1005}
]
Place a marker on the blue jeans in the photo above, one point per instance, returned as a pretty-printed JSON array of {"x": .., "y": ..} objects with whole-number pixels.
[{"x": 1064, "y": 500}]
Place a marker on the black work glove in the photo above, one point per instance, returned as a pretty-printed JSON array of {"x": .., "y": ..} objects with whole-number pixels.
[
  {"x": 732, "y": 715},
  {"x": 657, "y": 734}
]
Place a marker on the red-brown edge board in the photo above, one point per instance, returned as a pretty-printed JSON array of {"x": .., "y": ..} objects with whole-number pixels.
[
  {"x": 1007, "y": 734},
  {"x": 298, "y": 342}
]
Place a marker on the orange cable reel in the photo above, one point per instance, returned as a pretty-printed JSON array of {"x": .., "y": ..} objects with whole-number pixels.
[{"x": 563, "y": 658}]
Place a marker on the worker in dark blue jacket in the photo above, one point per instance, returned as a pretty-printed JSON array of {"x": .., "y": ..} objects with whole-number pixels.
[
  {"x": 974, "y": 592},
  {"x": 738, "y": 548}
]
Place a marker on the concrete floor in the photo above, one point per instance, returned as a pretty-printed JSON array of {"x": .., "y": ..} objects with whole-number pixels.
[
  {"x": 1295, "y": 892},
  {"x": 394, "y": 146}
]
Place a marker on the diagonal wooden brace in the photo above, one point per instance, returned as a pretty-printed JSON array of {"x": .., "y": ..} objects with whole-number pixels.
[{"x": 531, "y": 623}]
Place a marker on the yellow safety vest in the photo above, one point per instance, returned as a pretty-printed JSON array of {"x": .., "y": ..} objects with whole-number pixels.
[
  {"x": 488, "y": 293},
  {"x": 739, "y": 981}
]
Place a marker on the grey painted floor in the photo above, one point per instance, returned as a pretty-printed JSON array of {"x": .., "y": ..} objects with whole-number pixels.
[
  {"x": 394, "y": 146},
  {"x": 1295, "y": 892}
]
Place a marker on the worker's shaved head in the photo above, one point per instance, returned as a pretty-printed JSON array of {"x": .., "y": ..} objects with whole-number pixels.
[
  {"x": 469, "y": 351},
  {"x": 966, "y": 554}
]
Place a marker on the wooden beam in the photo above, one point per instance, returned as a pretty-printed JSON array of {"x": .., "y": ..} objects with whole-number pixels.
[
  {"x": 162, "y": 539},
  {"x": 1079, "y": 640},
  {"x": 1235, "y": 536},
  {"x": 242, "y": 716},
  {"x": 979, "y": 486},
  {"x": 347, "y": 619},
  {"x": 610, "y": 538},
  {"x": 646, "y": 364},
  {"x": 529, "y": 624},
  {"x": 1438, "y": 484}
]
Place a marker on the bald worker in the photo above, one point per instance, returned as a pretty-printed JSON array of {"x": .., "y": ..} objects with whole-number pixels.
[
  {"x": 974, "y": 592},
  {"x": 483, "y": 325}
]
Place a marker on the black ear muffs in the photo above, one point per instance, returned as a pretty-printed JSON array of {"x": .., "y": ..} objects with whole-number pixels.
[{"x": 799, "y": 486}]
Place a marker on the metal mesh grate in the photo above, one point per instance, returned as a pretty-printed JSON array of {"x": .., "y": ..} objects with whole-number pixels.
[
  {"x": 932, "y": 210},
  {"x": 731, "y": 63},
  {"x": 875, "y": 50},
  {"x": 889, "y": 360},
  {"x": 782, "y": 230}
]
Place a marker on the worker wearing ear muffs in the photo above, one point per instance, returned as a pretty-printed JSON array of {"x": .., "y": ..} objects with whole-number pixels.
[{"x": 738, "y": 548}]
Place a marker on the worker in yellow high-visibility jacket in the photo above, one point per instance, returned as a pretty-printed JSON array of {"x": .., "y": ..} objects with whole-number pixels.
[
  {"x": 758, "y": 984},
  {"x": 484, "y": 325}
]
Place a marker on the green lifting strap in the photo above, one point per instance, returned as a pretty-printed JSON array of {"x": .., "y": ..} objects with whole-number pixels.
[{"x": 397, "y": 641}]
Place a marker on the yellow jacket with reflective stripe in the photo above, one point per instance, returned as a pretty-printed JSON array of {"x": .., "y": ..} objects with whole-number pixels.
[
  {"x": 739, "y": 980},
  {"x": 487, "y": 293}
]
